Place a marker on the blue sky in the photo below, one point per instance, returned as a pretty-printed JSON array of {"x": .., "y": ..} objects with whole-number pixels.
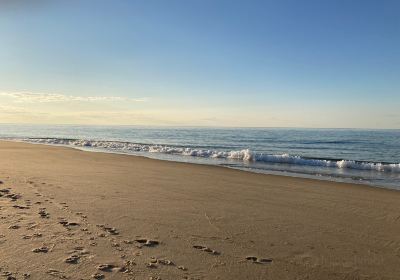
[{"x": 214, "y": 63}]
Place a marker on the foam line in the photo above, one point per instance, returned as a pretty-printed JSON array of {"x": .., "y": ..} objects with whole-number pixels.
[{"x": 242, "y": 155}]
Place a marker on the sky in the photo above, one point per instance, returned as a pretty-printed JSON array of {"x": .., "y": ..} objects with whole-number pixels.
[{"x": 286, "y": 63}]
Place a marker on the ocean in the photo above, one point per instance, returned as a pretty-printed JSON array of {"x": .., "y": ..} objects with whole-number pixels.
[{"x": 346, "y": 155}]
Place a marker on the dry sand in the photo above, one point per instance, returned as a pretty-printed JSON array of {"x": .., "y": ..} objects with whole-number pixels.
[{"x": 67, "y": 214}]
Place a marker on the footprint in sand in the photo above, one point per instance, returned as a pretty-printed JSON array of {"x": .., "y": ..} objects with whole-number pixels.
[
  {"x": 73, "y": 259},
  {"x": 43, "y": 214},
  {"x": 31, "y": 225},
  {"x": 35, "y": 235},
  {"x": 14, "y": 227},
  {"x": 110, "y": 268},
  {"x": 21, "y": 207},
  {"x": 106, "y": 267},
  {"x": 14, "y": 197},
  {"x": 116, "y": 246},
  {"x": 42, "y": 249},
  {"x": 79, "y": 251},
  {"x": 161, "y": 261},
  {"x": 56, "y": 273},
  {"x": 81, "y": 215},
  {"x": 206, "y": 249},
  {"x": 6, "y": 273},
  {"x": 98, "y": 276},
  {"x": 147, "y": 242},
  {"x": 110, "y": 230},
  {"x": 4, "y": 191},
  {"x": 258, "y": 260},
  {"x": 151, "y": 265},
  {"x": 67, "y": 224},
  {"x": 129, "y": 263},
  {"x": 7, "y": 194}
]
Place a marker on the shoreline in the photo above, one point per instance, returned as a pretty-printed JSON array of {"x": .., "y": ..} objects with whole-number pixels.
[
  {"x": 324, "y": 178},
  {"x": 152, "y": 218}
]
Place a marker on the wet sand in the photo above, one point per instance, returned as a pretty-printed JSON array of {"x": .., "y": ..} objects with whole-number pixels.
[{"x": 69, "y": 214}]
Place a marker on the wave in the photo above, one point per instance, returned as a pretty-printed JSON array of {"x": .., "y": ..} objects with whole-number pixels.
[{"x": 240, "y": 155}]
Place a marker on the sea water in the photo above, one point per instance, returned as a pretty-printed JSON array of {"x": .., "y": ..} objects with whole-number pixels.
[{"x": 348, "y": 155}]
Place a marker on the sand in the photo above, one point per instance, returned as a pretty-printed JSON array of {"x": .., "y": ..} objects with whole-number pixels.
[{"x": 70, "y": 214}]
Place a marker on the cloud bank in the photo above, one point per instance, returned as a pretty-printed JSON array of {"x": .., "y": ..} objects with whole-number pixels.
[{"x": 28, "y": 97}]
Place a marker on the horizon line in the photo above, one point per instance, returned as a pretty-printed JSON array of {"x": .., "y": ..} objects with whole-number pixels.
[{"x": 201, "y": 126}]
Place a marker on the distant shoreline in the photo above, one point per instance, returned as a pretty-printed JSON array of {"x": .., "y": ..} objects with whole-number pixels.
[{"x": 204, "y": 126}]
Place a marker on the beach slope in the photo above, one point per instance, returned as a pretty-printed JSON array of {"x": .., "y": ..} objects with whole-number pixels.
[{"x": 70, "y": 214}]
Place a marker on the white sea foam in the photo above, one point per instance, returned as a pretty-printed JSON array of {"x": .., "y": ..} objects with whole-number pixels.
[{"x": 241, "y": 155}]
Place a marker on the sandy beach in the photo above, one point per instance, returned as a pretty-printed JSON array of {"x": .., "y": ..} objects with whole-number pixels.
[{"x": 70, "y": 214}]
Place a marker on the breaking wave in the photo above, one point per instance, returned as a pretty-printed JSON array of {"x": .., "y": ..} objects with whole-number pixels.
[{"x": 241, "y": 155}]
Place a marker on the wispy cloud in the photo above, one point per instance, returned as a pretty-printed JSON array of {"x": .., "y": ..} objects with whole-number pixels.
[
  {"x": 12, "y": 114},
  {"x": 11, "y": 109},
  {"x": 18, "y": 114},
  {"x": 29, "y": 97}
]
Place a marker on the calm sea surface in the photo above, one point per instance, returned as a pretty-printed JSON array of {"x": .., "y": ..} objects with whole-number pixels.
[{"x": 363, "y": 156}]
